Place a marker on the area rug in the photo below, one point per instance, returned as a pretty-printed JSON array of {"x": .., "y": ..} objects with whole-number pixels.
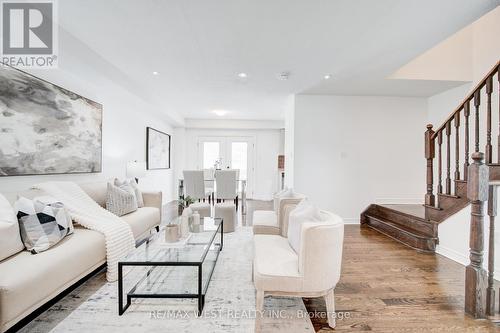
[{"x": 229, "y": 305}]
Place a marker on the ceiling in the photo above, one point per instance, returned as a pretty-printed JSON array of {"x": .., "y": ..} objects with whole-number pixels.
[{"x": 199, "y": 47}]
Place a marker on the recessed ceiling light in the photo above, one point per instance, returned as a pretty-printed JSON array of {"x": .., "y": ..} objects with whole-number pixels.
[
  {"x": 156, "y": 73},
  {"x": 242, "y": 75},
  {"x": 220, "y": 113},
  {"x": 327, "y": 77},
  {"x": 283, "y": 76}
]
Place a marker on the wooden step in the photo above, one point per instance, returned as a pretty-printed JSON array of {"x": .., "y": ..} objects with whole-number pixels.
[
  {"x": 411, "y": 238},
  {"x": 444, "y": 195},
  {"x": 448, "y": 204},
  {"x": 403, "y": 223}
]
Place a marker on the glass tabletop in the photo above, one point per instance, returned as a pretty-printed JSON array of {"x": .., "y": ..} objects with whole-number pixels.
[{"x": 191, "y": 250}]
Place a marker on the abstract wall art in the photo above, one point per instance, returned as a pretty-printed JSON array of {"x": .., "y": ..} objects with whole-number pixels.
[
  {"x": 157, "y": 149},
  {"x": 46, "y": 129}
]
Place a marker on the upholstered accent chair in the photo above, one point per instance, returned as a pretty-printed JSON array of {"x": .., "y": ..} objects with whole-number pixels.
[
  {"x": 313, "y": 272},
  {"x": 271, "y": 222}
]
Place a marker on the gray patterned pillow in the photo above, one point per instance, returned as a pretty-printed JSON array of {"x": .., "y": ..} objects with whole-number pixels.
[
  {"x": 42, "y": 222},
  {"x": 137, "y": 191},
  {"x": 121, "y": 200}
]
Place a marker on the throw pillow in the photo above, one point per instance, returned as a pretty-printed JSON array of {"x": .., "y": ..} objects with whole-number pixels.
[
  {"x": 303, "y": 213},
  {"x": 138, "y": 193},
  {"x": 121, "y": 200},
  {"x": 10, "y": 237},
  {"x": 135, "y": 187},
  {"x": 42, "y": 224}
]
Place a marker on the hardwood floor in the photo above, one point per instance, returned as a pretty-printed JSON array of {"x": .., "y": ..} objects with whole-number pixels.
[{"x": 388, "y": 287}]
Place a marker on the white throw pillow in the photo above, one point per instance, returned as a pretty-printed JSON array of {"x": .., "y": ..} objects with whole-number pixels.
[
  {"x": 121, "y": 200},
  {"x": 10, "y": 236},
  {"x": 303, "y": 213},
  {"x": 135, "y": 187}
]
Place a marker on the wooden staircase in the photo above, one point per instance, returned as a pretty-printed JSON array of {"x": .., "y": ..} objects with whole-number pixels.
[{"x": 417, "y": 225}]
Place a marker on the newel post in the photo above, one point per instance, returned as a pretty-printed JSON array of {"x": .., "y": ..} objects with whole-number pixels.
[
  {"x": 476, "y": 278},
  {"x": 429, "y": 156}
]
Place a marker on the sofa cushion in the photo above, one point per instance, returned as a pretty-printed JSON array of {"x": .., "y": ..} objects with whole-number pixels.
[
  {"x": 97, "y": 191},
  {"x": 10, "y": 237},
  {"x": 265, "y": 222},
  {"x": 142, "y": 220},
  {"x": 27, "y": 281},
  {"x": 276, "y": 265}
]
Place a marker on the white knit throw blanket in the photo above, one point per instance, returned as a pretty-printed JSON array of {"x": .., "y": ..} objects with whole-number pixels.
[{"x": 88, "y": 213}]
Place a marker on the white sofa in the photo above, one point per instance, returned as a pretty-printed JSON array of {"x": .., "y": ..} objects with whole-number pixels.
[
  {"x": 314, "y": 272},
  {"x": 271, "y": 222},
  {"x": 28, "y": 281}
]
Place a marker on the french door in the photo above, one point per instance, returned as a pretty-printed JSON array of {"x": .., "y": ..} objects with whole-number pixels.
[{"x": 229, "y": 152}]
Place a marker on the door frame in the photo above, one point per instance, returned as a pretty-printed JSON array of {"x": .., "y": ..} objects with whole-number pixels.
[{"x": 225, "y": 152}]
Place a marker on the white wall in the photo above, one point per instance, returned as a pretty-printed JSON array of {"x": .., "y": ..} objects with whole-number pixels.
[
  {"x": 289, "y": 141},
  {"x": 267, "y": 149},
  {"x": 125, "y": 117},
  {"x": 351, "y": 151}
]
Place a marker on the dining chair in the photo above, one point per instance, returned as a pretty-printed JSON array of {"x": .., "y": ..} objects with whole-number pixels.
[
  {"x": 194, "y": 184},
  {"x": 209, "y": 176},
  {"x": 226, "y": 185},
  {"x": 194, "y": 187}
]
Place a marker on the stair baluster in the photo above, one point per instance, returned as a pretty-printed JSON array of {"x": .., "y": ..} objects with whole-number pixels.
[
  {"x": 488, "y": 148},
  {"x": 448, "y": 158},
  {"x": 440, "y": 163},
  {"x": 498, "y": 142},
  {"x": 466, "y": 157},
  {"x": 429, "y": 155},
  {"x": 477, "y": 102},
  {"x": 457, "y": 149},
  {"x": 492, "y": 212}
]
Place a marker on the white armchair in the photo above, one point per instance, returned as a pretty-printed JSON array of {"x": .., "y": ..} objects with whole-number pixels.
[
  {"x": 271, "y": 222},
  {"x": 314, "y": 272}
]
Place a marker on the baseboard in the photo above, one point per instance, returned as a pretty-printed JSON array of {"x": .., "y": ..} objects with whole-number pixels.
[
  {"x": 463, "y": 259},
  {"x": 398, "y": 201},
  {"x": 452, "y": 254},
  {"x": 351, "y": 220}
]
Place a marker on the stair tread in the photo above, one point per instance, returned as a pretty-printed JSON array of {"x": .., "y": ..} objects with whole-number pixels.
[
  {"x": 415, "y": 210},
  {"x": 449, "y": 195},
  {"x": 400, "y": 227},
  {"x": 433, "y": 207}
]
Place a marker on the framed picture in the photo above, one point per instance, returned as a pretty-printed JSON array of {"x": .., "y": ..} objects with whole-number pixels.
[
  {"x": 157, "y": 149},
  {"x": 46, "y": 129}
]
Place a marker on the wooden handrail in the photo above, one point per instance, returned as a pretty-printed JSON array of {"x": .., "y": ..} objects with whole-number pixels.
[{"x": 469, "y": 97}]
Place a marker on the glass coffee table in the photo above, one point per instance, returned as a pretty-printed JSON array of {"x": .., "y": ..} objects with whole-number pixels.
[{"x": 171, "y": 270}]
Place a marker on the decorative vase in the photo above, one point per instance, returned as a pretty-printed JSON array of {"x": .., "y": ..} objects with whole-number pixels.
[
  {"x": 184, "y": 225},
  {"x": 171, "y": 233},
  {"x": 196, "y": 218}
]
